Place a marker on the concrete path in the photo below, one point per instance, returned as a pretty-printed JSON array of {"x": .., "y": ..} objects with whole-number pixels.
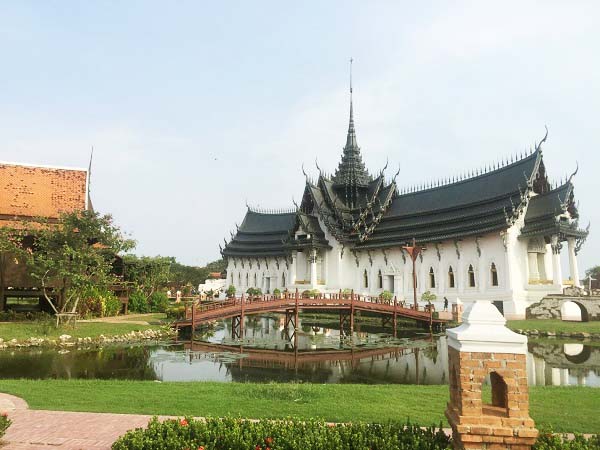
[
  {"x": 134, "y": 319},
  {"x": 60, "y": 430}
]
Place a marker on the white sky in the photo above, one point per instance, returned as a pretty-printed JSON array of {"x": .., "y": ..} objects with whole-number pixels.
[{"x": 195, "y": 107}]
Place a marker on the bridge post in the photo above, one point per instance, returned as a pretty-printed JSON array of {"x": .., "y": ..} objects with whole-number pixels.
[
  {"x": 395, "y": 320},
  {"x": 193, "y": 322},
  {"x": 296, "y": 320},
  {"x": 242, "y": 317},
  {"x": 352, "y": 313}
]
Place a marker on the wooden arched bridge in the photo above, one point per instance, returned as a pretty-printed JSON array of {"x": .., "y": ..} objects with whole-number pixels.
[{"x": 291, "y": 303}]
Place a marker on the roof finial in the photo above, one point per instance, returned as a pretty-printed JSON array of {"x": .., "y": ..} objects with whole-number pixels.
[{"x": 351, "y": 60}]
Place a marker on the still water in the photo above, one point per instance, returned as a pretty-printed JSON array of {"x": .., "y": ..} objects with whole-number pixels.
[{"x": 321, "y": 354}]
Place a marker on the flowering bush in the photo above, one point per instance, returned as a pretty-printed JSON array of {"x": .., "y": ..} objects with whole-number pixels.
[
  {"x": 288, "y": 434},
  {"x": 4, "y": 423}
]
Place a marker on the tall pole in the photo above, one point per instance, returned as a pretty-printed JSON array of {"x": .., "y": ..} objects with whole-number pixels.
[
  {"x": 414, "y": 276},
  {"x": 413, "y": 251}
]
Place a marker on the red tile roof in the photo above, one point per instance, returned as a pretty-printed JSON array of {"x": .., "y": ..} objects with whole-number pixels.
[{"x": 37, "y": 191}]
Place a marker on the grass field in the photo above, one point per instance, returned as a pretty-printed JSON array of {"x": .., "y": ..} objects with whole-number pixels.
[
  {"x": 568, "y": 409},
  {"x": 24, "y": 330},
  {"x": 555, "y": 325}
]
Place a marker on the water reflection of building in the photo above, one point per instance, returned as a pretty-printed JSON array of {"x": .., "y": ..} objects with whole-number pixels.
[{"x": 563, "y": 364}]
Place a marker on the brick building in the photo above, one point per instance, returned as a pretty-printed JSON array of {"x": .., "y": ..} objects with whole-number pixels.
[{"x": 29, "y": 192}]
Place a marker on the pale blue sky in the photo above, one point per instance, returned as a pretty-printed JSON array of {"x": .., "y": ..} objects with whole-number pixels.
[{"x": 194, "y": 107}]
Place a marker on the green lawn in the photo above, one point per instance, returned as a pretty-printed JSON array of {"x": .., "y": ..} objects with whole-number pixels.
[
  {"x": 572, "y": 409},
  {"x": 555, "y": 325},
  {"x": 24, "y": 330}
]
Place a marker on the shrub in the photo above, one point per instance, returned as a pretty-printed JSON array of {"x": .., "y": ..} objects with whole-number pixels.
[
  {"x": 549, "y": 441},
  {"x": 112, "y": 306},
  {"x": 230, "y": 292},
  {"x": 387, "y": 296},
  {"x": 254, "y": 291},
  {"x": 138, "y": 302},
  {"x": 158, "y": 302},
  {"x": 175, "y": 312},
  {"x": 221, "y": 434},
  {"x": 98, "y": 302},
  {"x": 276, "y": 292},
  {"x": 4, "y": 424}
]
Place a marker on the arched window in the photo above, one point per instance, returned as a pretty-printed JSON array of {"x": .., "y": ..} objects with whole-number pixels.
[
  {"x": 450, "y": 277},
  {"x": 379, "y": 280},
  {"x": 365, "y": 279},
  {"x": 471, "y": 276},
  {"x": 255, "y": 281},
  {"x": 240, "y": 278},
  {"x": 494, "y": 274},
  {"x": 283, "y": 280},
  {"x": 431, "y": 278},
  {"x": 247, "y": 280}
]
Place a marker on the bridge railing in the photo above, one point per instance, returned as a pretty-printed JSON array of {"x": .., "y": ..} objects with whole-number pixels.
[{"x": 198, "y": 307}]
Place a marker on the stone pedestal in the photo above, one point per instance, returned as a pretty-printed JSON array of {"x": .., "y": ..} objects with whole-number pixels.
[{"x": 483, "y": 349}]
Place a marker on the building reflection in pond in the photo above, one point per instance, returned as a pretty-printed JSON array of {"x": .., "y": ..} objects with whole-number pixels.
[{"x": 569, "y": 364}]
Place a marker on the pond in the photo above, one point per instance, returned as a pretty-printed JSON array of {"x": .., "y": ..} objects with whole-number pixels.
[{"x": 321, "y": 354}]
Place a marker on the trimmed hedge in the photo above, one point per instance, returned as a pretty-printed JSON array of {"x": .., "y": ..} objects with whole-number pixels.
[
  {"x": 288, "y": 434},
  {"x": 292, "y": 434}
]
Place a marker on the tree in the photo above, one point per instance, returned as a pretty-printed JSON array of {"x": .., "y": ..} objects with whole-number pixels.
[
  {"x": 428, "y": 296},
  {"x": 147, "y": 273},
  {"x": 75, "y": 255}
]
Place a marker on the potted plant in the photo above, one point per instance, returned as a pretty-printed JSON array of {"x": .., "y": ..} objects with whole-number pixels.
[{"x": 277, "y": 293}]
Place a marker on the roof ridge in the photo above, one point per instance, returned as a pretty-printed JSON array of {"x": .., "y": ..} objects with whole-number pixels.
[
  {"x": 271, "y": 211},
  {"x": 406, "y": 191}
]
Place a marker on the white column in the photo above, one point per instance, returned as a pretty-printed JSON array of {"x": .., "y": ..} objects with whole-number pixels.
[
  {"x": 460, "y": 277},
  {"x": 325, "y": 268},
  {"x": 398, "y": 287},
  {"x": 573, "y": 262},
  {"x": 556, "y": 268},
  {"x": 313, "y": 268},
  {"x": 484, "y": 272},
  {"x": 372, "y": 280},
  {"x": 339, "y": 271},
  {"x": 292, "y": 275},
  {"x": 532, "y": 261}
]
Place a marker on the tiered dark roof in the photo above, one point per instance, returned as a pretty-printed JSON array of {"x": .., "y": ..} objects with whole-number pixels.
[
  {"x": 364, "y": 212},
  {"x": 261, "y": 234},
  {"x": 548, "y": 214}
]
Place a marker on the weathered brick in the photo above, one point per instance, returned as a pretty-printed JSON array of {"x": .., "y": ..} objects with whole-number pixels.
[
  {"x": 482, "y": 430},
  {"x": 501, "y": 431},
  {"x": 527, "y": 432}
]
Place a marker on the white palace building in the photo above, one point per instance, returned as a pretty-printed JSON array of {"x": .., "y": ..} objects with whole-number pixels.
[{"x": 495, "y": 234}]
